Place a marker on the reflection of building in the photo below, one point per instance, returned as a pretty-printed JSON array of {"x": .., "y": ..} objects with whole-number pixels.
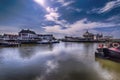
[{"x": 27, "y": 35}]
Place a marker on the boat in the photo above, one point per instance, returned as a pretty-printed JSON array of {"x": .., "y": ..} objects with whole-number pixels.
[
  {"x": 43, "y": 42},
  {"x": 9, "y": 44},
  {"x": 48, "y": 41},
  {"x": 108, "y": 52},
  {"x": 55, "y": 41},
  {"x": 30, "y": 41},
  {"x": 114, "y": 52}
]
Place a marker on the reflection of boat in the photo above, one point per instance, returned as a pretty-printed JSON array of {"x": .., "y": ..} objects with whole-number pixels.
[
  {"x": 47, "y": 41},
  {"x": 109, "y": 52},
  {"x": 9, "y": 44}
]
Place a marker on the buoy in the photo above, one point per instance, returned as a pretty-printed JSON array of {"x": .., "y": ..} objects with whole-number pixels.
[{"x": 115, "y": 45}]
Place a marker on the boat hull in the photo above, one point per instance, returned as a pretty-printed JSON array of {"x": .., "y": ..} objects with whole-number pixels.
[
  {"x": 47, "y": 42},
  {"x": 106, "y": 52},
  {"x": 9, "y": 45},
  {"x": 113, "y": 54}
]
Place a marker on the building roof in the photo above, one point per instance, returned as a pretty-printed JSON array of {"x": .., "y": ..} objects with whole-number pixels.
[
  {"x": 27, "y": 31},
  {"x": 88, "y": 34}
]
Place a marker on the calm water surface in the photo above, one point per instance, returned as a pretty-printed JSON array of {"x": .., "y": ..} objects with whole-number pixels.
[{"x": 63, "y": 61}]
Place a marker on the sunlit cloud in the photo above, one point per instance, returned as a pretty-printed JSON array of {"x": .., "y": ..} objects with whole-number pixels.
[
  {"x": 77, "y": 26},
  {"x": 65, "y": 3},
  {"x": 108, "y": 7},
  {"x": 58, "y": 16},
  {"x": 41, "y": 2},
  {"x": 52, "y": 14}
]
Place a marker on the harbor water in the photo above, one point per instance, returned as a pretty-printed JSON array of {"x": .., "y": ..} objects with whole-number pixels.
[{"x": 61, "y": 61}]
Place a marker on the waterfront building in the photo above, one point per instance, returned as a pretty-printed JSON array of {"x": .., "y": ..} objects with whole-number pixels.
[
  {"x": 27, "y": 35},
  {"x": 88, "y": 36},
  {"x": 10, "y": 37},
  {"x": 98, "y": 36}
]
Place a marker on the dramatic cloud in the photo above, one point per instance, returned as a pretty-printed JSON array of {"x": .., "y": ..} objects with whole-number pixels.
[
  {"x": 109, "y": 6},
  {"x": 77, "y": 26},
  {"x": 60, "y": 16},
  {"x": 41, "y": 2},
  {"x": 65, "y": 3},
  {"x": 52, "y": 14}
]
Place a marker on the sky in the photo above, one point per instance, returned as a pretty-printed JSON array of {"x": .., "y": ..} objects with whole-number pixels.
[{"x": 61, "y": 17}]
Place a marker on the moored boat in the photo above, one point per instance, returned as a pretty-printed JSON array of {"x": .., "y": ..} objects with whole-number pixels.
[
  {"x": 9, "y": 44},
  {"x": 109, "y": 52},
  {"x": 114, "y": 53},
  {"x": 48, "y": 41}
]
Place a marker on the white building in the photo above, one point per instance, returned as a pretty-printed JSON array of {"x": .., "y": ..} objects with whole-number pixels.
[{"x": 27, "y": 35}]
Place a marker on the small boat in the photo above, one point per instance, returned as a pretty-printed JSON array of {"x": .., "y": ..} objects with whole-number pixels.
[
  {"x": 54, "y": 41},
  {"x": 43, "y": 42},
  {"x": 109, "y": 52}
]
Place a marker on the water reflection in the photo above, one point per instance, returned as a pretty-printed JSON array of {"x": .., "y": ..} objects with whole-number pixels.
[
  {"x": 27, "y": 51},
  {"x": 64, "y": 61},
  {"x": 111, "y": 68}
]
